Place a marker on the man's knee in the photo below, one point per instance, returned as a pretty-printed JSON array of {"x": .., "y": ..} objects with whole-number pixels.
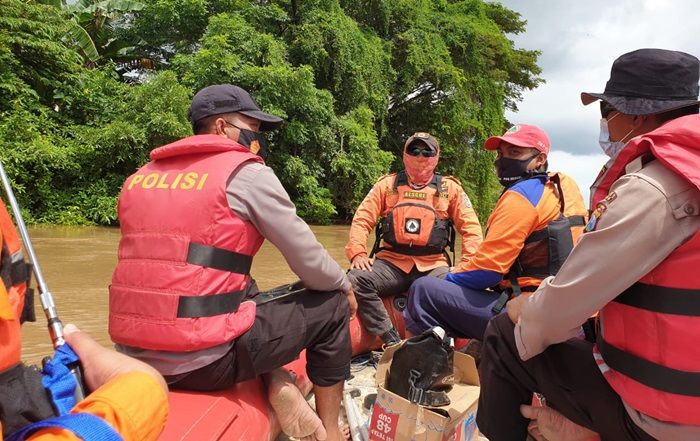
[
  {"x": 364, "y": 282},
  {"x": 421, "y": 291}
]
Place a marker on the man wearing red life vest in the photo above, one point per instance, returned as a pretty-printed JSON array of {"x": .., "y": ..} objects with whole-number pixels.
[
  {"x": 128, "y": 397},
  {"x": 637, "y": 263},
  {"x": 182, "y": 298},
  {"x": 416, "y": 212}
]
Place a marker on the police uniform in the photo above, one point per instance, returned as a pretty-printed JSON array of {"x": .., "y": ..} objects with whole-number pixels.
[{"x": 648, "y": 216}]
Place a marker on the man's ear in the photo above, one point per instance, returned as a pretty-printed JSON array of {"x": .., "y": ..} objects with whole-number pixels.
[
  {"x": 220, "y": 126},
  {"x": 541, "y": 160}
]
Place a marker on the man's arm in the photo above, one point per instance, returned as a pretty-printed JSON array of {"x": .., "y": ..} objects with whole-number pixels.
[
  {"x": 465, "y": 221},
  {"x": 512, "y": 220},
  {"x": 634, "y": 234},
  {"x": 127, "y": 394},
  {"x": 364, "y": 221},
  {"x": 255, "y": 194}
]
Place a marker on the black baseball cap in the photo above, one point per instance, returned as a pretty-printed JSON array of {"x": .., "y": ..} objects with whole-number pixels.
[
  {"x": 227, "y": 98},
  {"x": 650, "y": 81}
]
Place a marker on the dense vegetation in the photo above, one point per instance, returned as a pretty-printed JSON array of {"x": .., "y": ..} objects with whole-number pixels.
[{"x": 89, "y": 87}]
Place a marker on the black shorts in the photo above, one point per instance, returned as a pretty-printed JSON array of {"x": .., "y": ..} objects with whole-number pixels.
[{"x": 286, "y": 322}]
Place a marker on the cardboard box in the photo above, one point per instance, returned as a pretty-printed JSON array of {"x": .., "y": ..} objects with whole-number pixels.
[{"x": 396, "y": 419}]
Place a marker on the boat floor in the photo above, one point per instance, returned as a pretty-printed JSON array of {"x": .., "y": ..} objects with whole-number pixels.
[{"x": 362, "y": 370}]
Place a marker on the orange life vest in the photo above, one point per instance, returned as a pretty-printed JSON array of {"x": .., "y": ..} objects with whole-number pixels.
[
  {"x": 16, "y": 305},
  {"x": 411, "y": 223},
  {"x": 184, "y": 255},
  {"x": 649, "y": 334}
]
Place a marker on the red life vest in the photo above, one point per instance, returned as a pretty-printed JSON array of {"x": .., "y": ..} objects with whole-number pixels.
[
  {"x": 16, "y": 303},
  {"x": 184, "y": 255},
  {"x": 411, "y": 223},
  {"x": 649, "y": 333}
]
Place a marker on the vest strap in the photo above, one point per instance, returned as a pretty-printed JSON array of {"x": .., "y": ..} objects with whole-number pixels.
[
  {"x": 209, "y": 305},
  {"x": 654, "y": 375},
  {"x": 662, "y": 299},
  {"x": 218, "y": 258},
  {"x": 85, "y": 426},
  {"x": 577, "y": 221}
]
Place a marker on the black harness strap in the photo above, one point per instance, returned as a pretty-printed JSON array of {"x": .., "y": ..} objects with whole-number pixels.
[
  {"x": 654, "y": 375},
  {"x": 218, "y": 258},
  {"x": 209, "y": 305},
  {"x": 577, "y": 221},
  {"x": 662, "y": 299},
  {"x": 510, "y": 293}
]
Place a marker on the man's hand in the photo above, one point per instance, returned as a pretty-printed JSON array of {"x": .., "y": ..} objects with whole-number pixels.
[
  {"x": 100, "y": 365},
  {"x": 361, "y": 261},
  {"x": 515, "y": 305},
  {"x": 549, "y": 425},
  {"x": 352, "y": 303}
]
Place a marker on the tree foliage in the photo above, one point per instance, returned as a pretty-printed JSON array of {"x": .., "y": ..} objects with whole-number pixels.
[{"x": 352, "y": 79}]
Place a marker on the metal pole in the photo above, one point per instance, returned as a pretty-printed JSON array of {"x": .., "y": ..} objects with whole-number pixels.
[{"x": 47, "y": 304}]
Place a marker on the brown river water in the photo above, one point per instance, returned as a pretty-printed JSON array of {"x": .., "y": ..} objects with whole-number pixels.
[{"x": 77, "y": 263}]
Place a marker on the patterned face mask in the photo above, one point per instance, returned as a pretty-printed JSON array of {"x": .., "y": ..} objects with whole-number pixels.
[{"x": 419, "y": 168}]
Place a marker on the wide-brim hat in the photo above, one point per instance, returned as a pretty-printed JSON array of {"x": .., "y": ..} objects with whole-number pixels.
[
  {"x": 227, "y": 98},
  {"x": 650, "y": 81}
]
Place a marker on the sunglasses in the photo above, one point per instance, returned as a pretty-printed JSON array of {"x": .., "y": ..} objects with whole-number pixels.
[
  {"x": 606, "y": 109},
  {"x": 415, "y": 150}
]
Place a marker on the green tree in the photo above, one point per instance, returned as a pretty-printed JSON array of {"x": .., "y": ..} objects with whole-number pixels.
[{"x": 352, "y": 78}]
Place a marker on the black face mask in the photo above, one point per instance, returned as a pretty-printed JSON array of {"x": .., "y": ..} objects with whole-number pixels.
[
  {"x": 510, "y": 171},
  {"x": 255, "y": 141}
]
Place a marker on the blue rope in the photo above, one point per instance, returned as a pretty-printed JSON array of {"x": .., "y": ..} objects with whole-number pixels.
[{"x": 58, "y": 380}]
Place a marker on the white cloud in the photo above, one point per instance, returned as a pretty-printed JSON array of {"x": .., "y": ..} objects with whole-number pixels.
[
  {"x": 582, "y": 168},
  {"x": 579, "y": 41}
]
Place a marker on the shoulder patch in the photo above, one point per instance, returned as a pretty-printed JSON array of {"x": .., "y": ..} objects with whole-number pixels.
[
  {"x": 600, "y": 208},
  {"x": 530, "y": 189},
  {"x": 467, "y": 202}
]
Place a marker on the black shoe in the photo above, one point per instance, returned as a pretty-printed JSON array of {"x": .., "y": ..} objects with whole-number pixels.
[{"x": 391, "y": 337}]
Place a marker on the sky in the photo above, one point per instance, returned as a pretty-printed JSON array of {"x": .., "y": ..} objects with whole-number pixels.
[{"x": 579, "y": 40}]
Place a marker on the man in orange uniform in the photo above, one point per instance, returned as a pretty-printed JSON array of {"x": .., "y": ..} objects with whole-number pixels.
[
  {"x": 129, "y": 397},
  {"x": 529, "y": 234},
  {"x": 416, "y": 211}
]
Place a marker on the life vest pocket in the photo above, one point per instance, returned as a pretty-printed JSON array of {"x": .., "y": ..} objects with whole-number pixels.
[{"x": 410, "y": 224}]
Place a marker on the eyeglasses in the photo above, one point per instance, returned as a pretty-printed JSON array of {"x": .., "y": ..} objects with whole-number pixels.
[
  {"x": 415, "y": 150},
  {"x": 240, "y": 128}
]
